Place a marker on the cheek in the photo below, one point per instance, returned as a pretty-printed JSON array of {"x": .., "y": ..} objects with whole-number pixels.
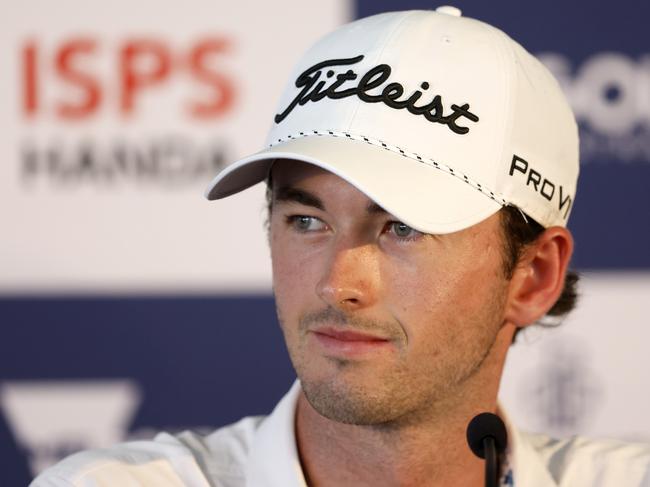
[
  {"x": 293, "y": 277},
  {"x": 423, "y": 285},
  {"x": 434, "y": 296}
]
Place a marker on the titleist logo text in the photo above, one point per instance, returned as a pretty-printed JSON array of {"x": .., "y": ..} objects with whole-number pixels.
[{"x": 314, "y": 89}]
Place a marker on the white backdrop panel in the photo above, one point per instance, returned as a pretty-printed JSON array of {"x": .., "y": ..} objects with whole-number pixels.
[
  {"x": 589, "y": 375},
  {"x": 116, "y": 116}
]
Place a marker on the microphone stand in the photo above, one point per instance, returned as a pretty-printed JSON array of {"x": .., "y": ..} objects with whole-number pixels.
[{"x": 491, "y": 462}]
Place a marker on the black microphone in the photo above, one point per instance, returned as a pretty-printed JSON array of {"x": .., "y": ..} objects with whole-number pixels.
[{"x": 487, "y": 438}]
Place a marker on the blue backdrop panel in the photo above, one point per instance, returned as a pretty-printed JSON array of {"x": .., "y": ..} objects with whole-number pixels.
[{"x": 198, "y": 360}]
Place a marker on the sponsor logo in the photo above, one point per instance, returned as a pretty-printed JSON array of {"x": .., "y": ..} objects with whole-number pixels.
[
  {"x": 51, "y": 420},
  {"x": 141, "y": 66},
  {"x": 171, "y": 161},
  {"x": 314, "y": 89},
  {"x": 610, "y": 95},
  {"x": 545, "y": 187},
  {"x": 124, "y": 111}
]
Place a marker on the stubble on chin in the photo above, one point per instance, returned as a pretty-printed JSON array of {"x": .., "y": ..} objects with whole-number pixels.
[{"x": 352, "y": 404}]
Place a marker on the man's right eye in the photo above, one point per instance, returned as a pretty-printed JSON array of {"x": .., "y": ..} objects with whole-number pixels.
[{"x": 304, "y": 223}]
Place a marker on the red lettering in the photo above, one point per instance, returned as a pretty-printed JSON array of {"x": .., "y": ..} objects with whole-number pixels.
[
  {"x": 143, "y": 65},
  {"x": 89, "y": 86},
  {"x": 133, "y": 78},
  {"x": 222, "y": 87},
  {"x": 30, "y": 80}
]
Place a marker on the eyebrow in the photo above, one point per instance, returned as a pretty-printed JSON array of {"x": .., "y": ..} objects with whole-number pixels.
[
  {"x": 303, "y": 197},
  {"x": 295, "y": 195}
]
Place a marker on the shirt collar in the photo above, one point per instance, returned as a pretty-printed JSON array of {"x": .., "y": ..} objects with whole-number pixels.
[
  {"x": 274, "y": 460},
  {"x": 527, "y": 466}
]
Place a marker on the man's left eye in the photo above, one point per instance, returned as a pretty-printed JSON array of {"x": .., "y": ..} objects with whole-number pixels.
[
  {"x": 402, "y": 230},
  {"x": 304, "y": 223}
]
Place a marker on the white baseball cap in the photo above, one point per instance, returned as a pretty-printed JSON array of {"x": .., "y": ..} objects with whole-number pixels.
[{"x": 438, "y": 118}]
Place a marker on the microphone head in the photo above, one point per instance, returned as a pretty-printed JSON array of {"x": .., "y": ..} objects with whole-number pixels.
[{"x": 485, "y": 425}]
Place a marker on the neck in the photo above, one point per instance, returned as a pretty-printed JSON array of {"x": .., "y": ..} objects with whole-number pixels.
[{"x": 427, "y": 449}]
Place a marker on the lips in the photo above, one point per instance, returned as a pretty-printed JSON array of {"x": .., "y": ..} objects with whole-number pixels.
[
  {"x": 349, "y": 343},
  {"x": 349, "y": 336}
]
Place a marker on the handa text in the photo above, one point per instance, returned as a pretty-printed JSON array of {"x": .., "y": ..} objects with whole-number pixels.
[{"x": 314, "y": 89}]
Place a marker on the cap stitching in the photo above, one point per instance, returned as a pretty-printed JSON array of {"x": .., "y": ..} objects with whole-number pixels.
[{"x": 497, "y": 197}]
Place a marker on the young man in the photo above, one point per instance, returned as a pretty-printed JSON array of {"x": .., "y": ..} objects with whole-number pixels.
[{"x": 421, "y": 170}]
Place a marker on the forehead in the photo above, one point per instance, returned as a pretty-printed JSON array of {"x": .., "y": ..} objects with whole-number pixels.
[
  {"x": 287, "y": 172},
  {"x": 312, "y": 185}
]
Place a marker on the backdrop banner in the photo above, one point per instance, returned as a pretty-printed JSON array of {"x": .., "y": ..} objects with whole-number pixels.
[{"x": 129, "y": 304}]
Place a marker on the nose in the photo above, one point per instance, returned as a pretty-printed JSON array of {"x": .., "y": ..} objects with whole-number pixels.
[{"x": 351, "y": 278}]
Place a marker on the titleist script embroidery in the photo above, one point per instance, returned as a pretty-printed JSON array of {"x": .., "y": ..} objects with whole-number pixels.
[{"x": 314, "y": 90}]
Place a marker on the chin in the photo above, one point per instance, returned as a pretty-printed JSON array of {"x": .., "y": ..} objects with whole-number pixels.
[{"x": 346, "y": 403}]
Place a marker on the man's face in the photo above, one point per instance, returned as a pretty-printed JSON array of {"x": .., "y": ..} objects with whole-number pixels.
[{"x": 380, "y": 321}]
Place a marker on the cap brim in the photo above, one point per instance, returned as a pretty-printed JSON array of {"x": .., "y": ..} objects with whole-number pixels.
[{"x": 417, "y": 193}]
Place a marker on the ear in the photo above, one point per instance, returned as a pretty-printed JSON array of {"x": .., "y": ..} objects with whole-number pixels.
[{"x": 538, "y": 279}]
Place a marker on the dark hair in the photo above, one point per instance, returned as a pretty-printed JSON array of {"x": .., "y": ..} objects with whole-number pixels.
[{"x": 520, "y": 231}]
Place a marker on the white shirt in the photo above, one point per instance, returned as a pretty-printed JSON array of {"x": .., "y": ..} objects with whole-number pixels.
[{"x": 261, "y": 452}]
